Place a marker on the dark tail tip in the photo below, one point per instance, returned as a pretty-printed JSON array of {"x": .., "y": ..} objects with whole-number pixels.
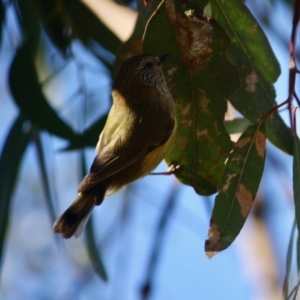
[
  {"x": 67, "y": 224},
  {"x": 73, "y": 220}
]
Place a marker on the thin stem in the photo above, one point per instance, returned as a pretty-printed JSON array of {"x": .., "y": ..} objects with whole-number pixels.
[
  {"x": 275, "y": 108},
  {"x": 292, "y": 66},
  {"x": 294, "y": 120}
]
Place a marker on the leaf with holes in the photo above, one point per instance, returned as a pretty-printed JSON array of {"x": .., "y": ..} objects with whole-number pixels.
[
  {"x": 200, "y": 78},
  {"x": 237, "y": 189}
]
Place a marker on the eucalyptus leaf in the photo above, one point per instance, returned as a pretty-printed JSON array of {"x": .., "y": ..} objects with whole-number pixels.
[
  {"x": 88, "y": 27},
  {"x": 44, "y": 169},
  {"x": 237, "y": 188},
  {"x": 12, "y": 153},
  {"x": 94, "y": 251},
  {"x": 200, "y": 86},
  {"x": 28, "y": 95},
  {"x": 258, "y": 69}
]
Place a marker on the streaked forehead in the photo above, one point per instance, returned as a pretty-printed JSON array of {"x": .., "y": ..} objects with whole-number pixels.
[{"x": 142, "y": 59}]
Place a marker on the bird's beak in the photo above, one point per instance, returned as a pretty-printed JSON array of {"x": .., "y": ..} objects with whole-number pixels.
[{"x": 163, "y": 58}]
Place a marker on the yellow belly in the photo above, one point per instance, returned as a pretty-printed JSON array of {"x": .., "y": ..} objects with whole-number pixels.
[{"x": 140, "y": 168}]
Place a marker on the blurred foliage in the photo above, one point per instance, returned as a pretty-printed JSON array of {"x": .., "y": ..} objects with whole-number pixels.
[
  {"x": 16, "y": 143},
  {"x": 219, "y": 53}
]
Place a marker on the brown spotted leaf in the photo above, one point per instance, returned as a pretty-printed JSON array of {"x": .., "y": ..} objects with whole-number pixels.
[
  {"x": 237, "y": 189},
  {"x": 258, "y": 68},
  {"x": 200, "y": 78}
]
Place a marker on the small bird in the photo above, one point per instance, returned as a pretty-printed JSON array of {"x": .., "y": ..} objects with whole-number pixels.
[{"x": 138, "y": 133}]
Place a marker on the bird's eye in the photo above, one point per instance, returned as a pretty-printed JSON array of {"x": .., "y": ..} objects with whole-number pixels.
[{"x": 149, "y": 65}]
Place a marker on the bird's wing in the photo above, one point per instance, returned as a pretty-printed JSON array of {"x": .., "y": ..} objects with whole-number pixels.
[
  {"x": 110, "y": 161},
  {"x": 107, "y": 164}
]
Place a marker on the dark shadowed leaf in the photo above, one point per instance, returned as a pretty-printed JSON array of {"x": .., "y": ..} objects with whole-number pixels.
[
  {"x": 237, "y": 188},
  {"x": 66, "y": 20},
  {"x": 93, "y": 249},
  {"x": 28, "y": 95},
  {"x": 28, "y": 18},
  {"x": 200, "y": 84},
  {"x": 87, "y": 26},
  {"x": 14, "y": 147},
  {"x": 44, "y": 169},
  {"x": 57, "y": 22},
  {"x": 258, "y": 67}
]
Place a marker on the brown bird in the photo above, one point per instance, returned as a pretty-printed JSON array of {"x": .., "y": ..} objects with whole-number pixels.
[{"x": 136, "y": 137}]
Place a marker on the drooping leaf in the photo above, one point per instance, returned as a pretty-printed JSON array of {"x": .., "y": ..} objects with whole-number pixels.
[
  {"x": 87, "y": 26},
  {"x": 237, "y": 188},
  {"x": 15, "y": 145},
  {"x": 154, "y": 258},
  {"x": 44, "y": 169},
  {"x": 57, "y": 22},
  {"x": 289, "y": 262},
  {"x": 93, "y": 249},
  {"x": 28, "y": 19},
  {"x": 66, "y": 20},
  {"x": 258, "y": 68},
  {"x": 200, "y": 79},
  {"x": 28, "y": 95}
]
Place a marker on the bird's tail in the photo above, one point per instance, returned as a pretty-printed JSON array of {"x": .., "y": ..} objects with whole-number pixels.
[{"x": 74, "y": 219}]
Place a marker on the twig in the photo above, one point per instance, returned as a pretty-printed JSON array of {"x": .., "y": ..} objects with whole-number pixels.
[{"x": 158, "y": 244}]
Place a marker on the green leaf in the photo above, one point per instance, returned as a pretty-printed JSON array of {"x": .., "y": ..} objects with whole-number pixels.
[
  {"x": 237, "y": 188},
  {"x": 200, "y": 84},
  {"x": 57, "y": 22},
  {"x": 28, "y": 95},
  {"x": 236, "y": 125},
  {"x": 15, "y": 145},
  {"x": 252, "y": 54}
]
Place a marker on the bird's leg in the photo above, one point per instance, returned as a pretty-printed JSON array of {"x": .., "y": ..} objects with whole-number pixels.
[{"x": 173, "y": 169}]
